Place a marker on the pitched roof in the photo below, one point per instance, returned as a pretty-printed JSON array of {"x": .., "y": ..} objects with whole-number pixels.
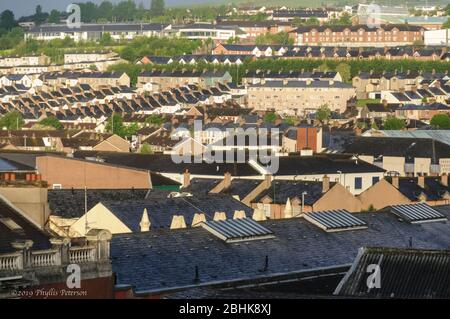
[
  {"x": 404, "y": 273},
  {"x": 162, "y": 210},
  {"x": 166, "y": 259},
  {"x": 165, "y": 164},
  {"x": 403, "y": 147},
  {"x": 322, "y": 164},
  {"x": 26, "y": 230}
]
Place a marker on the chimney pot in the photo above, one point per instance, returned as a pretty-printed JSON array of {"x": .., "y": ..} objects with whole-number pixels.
[
  {"x": 444, "y": 179},
  {"x": 421, "y": 181},
  {"x": 395, "y": 182},
  {"x": 227, "y": 180},
  {"x": 145, "y": 221},
  {"x": 186, "y": 178},
  {"x": 325, "y": 184}
]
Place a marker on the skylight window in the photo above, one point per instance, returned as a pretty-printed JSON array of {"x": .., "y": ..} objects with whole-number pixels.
[
  {"x": 335, "y": 220},
  {"x": 8, "y": 222}
]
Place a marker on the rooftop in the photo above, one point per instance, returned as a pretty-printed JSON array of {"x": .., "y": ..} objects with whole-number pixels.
[{"x": 175, "y": 254}]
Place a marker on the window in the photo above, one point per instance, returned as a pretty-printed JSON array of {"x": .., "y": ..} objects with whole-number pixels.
[
  {"x": 57, "y": 186},
  {"x": 358, "y": 182},
  {"x": 375, "y": 180}
]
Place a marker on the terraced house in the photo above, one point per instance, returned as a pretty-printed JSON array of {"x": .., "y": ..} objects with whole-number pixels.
[
  {"x": 358, "y": 35},
  {"x": 299, "y": 97}
]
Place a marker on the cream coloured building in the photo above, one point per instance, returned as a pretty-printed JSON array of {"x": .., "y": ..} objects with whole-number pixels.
[{"x": 299, "y": 97}]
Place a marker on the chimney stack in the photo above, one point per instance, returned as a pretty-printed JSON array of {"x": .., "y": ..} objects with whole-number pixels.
[
  {"x": 239, "y": 214},
  {"x": 186, "y": 178},
  {"x": 395, "y": 181},
  {"x": 178, "y": 222},
  {"x": 145, "y": 221},
  {"x": 219, "y": 216},
  {"x": 258, "y": 214},
  {"x": 325, "y": 184},
  {"x": 226, "y": 180},
  {"x": 198, "y": 218},
  {"x": 421, "y": 181},
  {"x": 444, "y": 179}
]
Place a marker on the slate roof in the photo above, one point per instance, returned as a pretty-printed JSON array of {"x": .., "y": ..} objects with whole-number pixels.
[
  {"x": 322, "y": 164},
  {"x": 405, "y": 273},
  {"x": 161, "y": 211},
  {"x": 303, "y": 84},
  {"x": 403, "y": 147},
  {"x": 281, "y": 190},
  {"x": 241, "y": 187},
  {"x": 29, "y": 231},
  {"x": 69, "y": 203},
  {"x": 165, "y": 259},
  {"x": 165, "y": 164},
  {"x": 201, "y": 185},
  {"x": 433, "y": 190},
  {"x": 7, "y": 165}
]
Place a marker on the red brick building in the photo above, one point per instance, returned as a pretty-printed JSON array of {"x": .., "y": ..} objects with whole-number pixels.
[{"x": 358, "y": 35}]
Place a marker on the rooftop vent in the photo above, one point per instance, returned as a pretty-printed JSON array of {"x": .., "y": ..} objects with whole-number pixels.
[
  {"x": 235, "y": 230},
  {"x": 335, "y": 220},
  {"x": 417, "y": 213}
]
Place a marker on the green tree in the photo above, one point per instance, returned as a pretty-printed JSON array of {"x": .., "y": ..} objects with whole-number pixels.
[
  {"x": 323, "y": 113},
  {"x": 115, "y": 125},
  {"x": 12, "y": 120},
  {"x": 441, "y": 121},
  {"x": 345, "y": 71},
  {"x": 106, "y": 39},
  {"x": 154, "y": 119},
  {"x": 312, "y": 21},
  {"x": 374, "y": 125},
  {"x": 157, "y": 8},
  {"x": 54, "y": 17},
  {"x": 146, "y": 149},
  {"x": 289, "y": 120},
  {"x": 106, "y": 10},
  {"x": 40, "y": 16},
  {"x": 393, "y": 123},
  {"x": 446, "y": 25},
  {"x": 7, "y": 20},
  {"x": 51, "y": 121},
  {"x": 270, "y": 117},
  {"x": 323, "y": 67}
]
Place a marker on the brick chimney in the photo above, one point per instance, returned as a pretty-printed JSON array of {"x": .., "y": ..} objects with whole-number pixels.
[
  {"x": 186, "y": 178},
  {"x": 395, "y": 182},
  {"x": 421, "y": 181},
  {"x": 444, "y": 179},
  {"x": 226, "y": 180},
  {"x": 325, "y": 184}
]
